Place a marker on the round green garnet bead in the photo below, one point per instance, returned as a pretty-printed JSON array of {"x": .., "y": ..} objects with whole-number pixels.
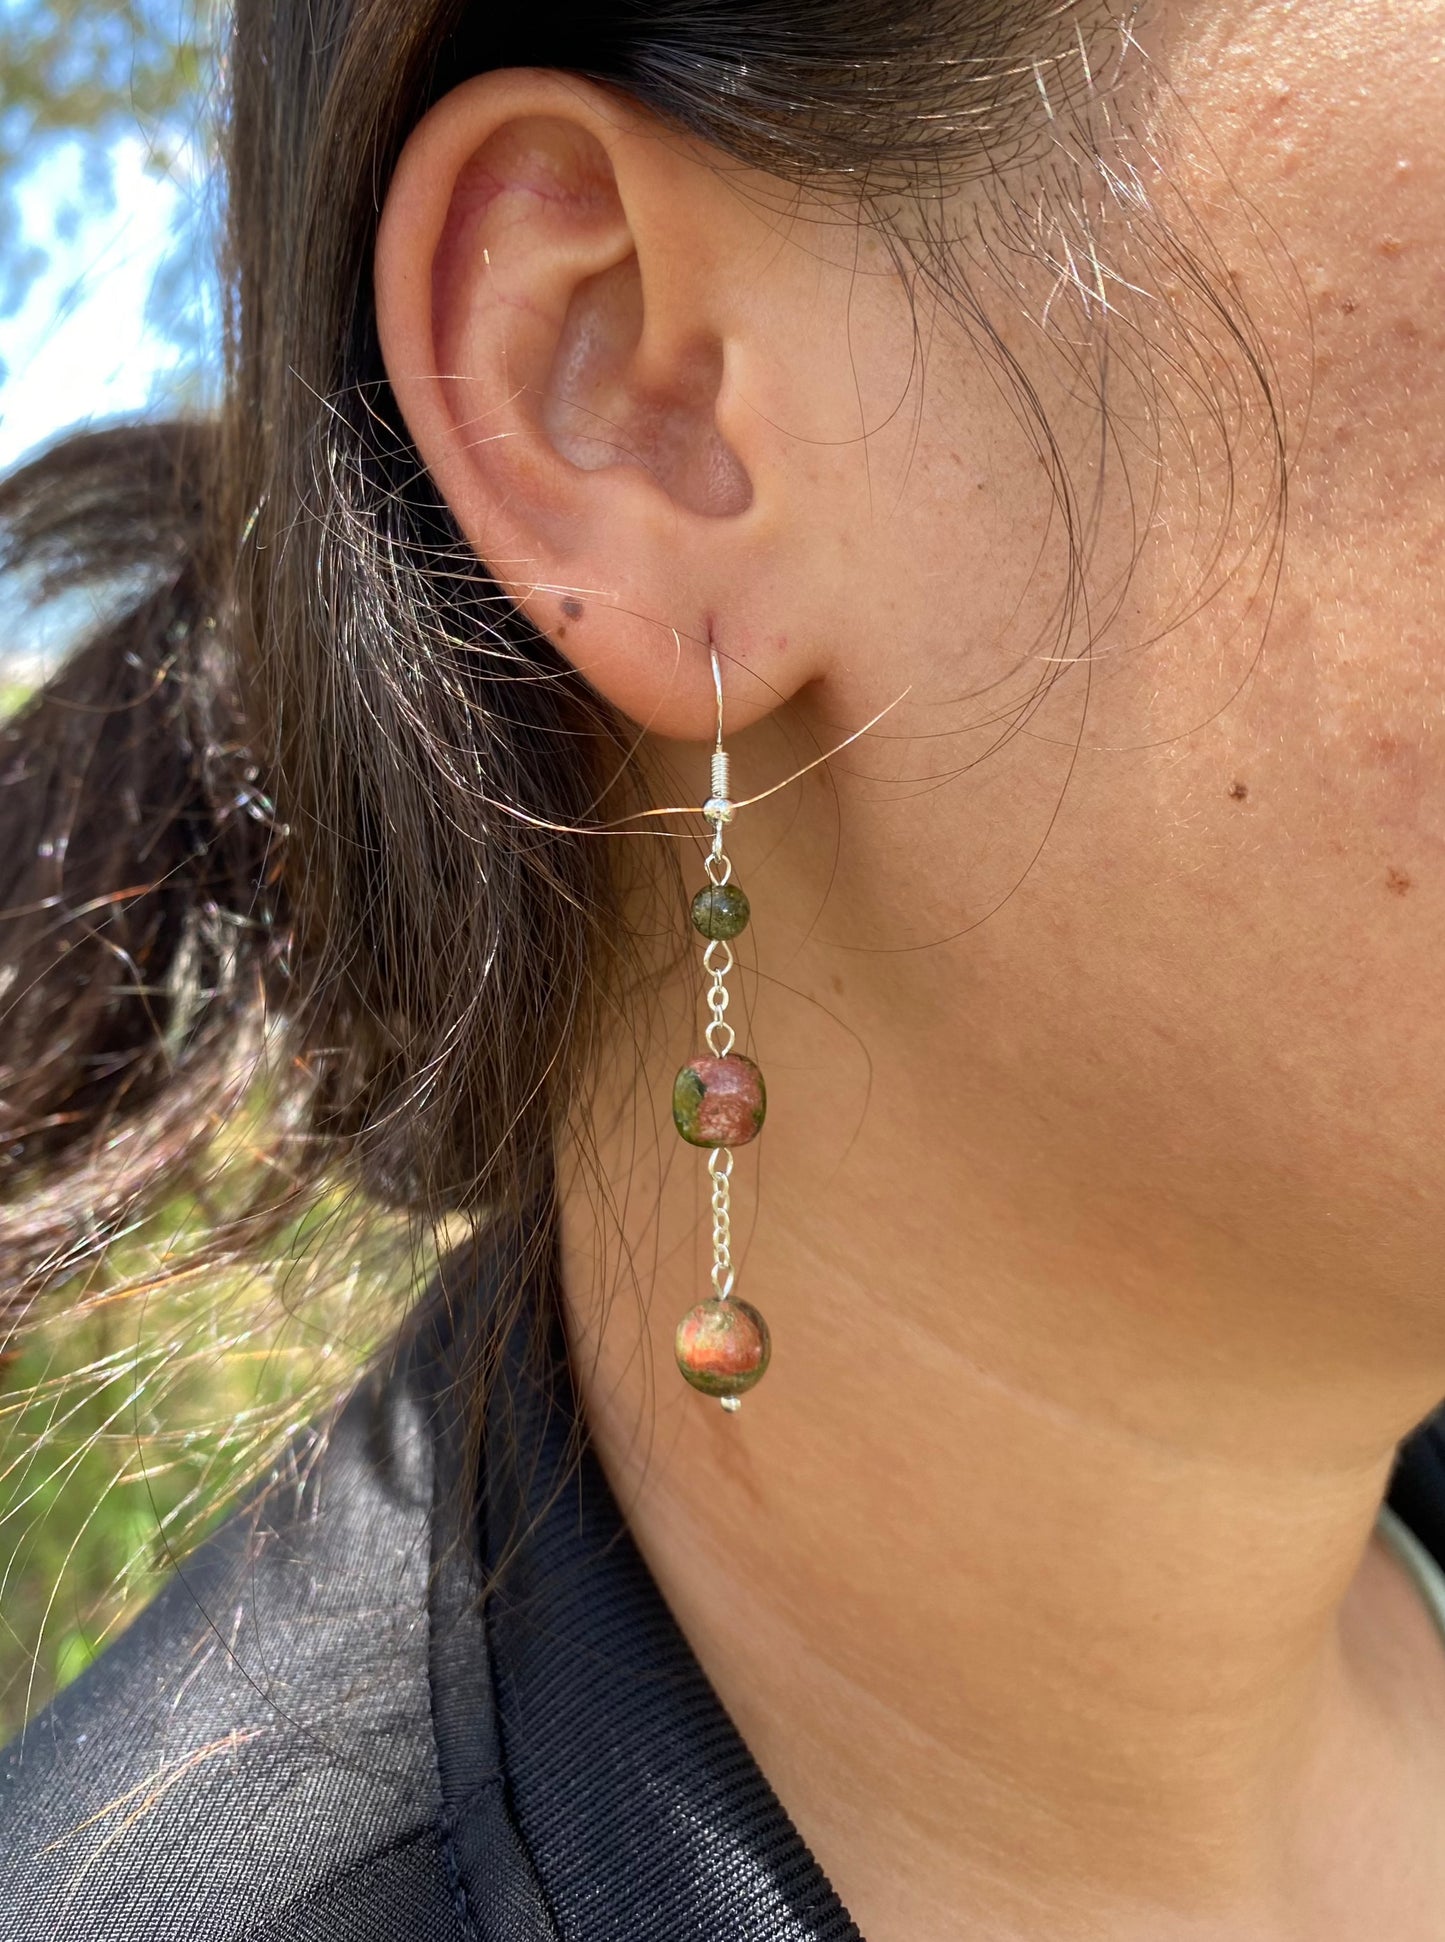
[
  {"x": 723, "y": 1347},
  {"x": 721, "y": 910}
]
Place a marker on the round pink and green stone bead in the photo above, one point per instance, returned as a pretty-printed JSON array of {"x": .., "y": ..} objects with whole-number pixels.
[{"x": 723, "y": 1347}]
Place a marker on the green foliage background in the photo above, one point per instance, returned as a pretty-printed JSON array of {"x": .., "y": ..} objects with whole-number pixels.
[
  {"x": 133, "y": 1417},
  {"x": 154, "y": 1393}
]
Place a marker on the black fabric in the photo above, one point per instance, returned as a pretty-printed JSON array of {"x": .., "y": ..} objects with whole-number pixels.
[
  {"x": 320, "y": 1732},
  {"x": 1417, "y": 1487}
]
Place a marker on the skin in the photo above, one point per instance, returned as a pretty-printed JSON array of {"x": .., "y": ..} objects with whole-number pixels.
[{"x": 1099, "y": 1212}]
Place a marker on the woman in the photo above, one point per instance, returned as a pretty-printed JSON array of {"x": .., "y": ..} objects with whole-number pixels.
[{"x": 923, "y": 388}]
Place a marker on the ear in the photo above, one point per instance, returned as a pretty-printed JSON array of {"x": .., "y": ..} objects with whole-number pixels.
[{"x": 589, "y": 328}]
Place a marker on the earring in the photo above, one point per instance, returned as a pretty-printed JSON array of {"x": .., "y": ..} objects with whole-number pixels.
[{"x": 719, "y": 1101}]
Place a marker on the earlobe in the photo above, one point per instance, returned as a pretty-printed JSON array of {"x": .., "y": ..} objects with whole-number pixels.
[{"x": 560, "y": 328}]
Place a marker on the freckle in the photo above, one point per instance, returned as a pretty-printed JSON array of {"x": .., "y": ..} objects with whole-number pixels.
[
  {"x": 1396, "y": 881},
  {"x": 573, "y": 609},
  {"x": 1238, "y": 791},
  {"x": 837, "y": 984}
]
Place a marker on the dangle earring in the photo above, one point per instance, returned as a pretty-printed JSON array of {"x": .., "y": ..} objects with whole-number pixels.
[{"x": 719, "y": 1101}]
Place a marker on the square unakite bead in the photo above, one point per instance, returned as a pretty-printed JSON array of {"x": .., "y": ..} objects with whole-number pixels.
[{"x": 719, "y": 1102}]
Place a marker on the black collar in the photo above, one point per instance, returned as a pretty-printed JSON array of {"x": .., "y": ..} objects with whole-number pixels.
[{"x": 594, "y": 1785}]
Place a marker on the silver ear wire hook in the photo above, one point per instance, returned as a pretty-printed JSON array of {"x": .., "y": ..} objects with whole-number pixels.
[{"x": 719, "y": 807}]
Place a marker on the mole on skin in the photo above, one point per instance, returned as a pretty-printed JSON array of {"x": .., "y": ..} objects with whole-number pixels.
[{"x": 573, "y": 609}]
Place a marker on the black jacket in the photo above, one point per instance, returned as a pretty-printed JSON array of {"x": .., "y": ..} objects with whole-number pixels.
[{"x": 319, "y": 1733}]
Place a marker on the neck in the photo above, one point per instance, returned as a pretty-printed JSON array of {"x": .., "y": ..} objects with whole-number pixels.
[{"x": 1038, "y": 1572}]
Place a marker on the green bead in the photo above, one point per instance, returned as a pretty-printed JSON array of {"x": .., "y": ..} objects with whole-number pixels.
[{"x": 721, "y": 910}]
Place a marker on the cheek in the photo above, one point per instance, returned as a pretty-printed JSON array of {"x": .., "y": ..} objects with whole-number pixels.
[
  {"x": 1328, "y": 119},
  {"x": 1368, "y": 243},
  {"x": 1349, "y": 709}
]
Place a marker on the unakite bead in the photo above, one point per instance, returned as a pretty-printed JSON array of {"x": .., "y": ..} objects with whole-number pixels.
[
  {"x": 721, "y": 910},
  {"x": 722, "y": 1347},
  {"x": 719, "y": 1102}
]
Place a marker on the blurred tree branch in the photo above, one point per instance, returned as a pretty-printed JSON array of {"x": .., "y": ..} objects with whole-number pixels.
[{"x": 92, "y": 72}]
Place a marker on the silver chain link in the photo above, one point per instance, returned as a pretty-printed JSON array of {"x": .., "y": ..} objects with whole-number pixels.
[
  {"x": 720, "y": 1166},
  {"x": 719, "y": 1034},
  {"x": 718, "y": 962}
]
